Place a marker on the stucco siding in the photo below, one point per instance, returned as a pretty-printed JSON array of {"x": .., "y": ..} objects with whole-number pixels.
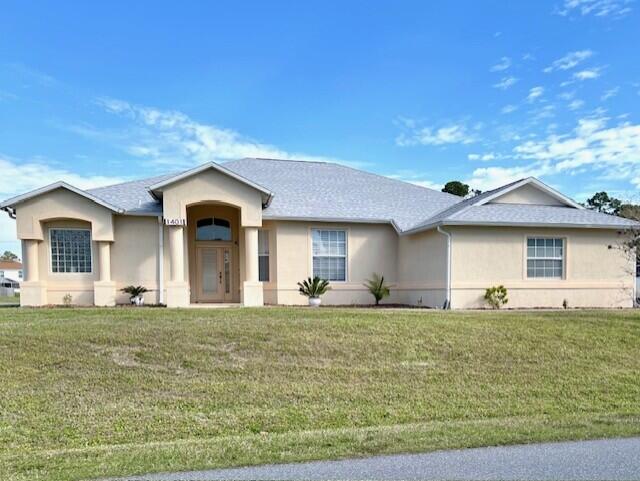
[
  {"x": 370, "y": 248},
  {"x": 594, "y": 274},
  {"x": 527, "y": 194},
  {"x": 422, "y": 269},
  {"x": 134, "y": 256},
  {"x": 58, "y": 285}
]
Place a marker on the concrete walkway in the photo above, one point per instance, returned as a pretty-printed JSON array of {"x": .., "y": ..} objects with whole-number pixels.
[{"x": 614, "y": 459}]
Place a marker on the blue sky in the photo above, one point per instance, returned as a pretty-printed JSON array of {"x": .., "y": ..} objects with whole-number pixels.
[{"x": 484, "y": 92}]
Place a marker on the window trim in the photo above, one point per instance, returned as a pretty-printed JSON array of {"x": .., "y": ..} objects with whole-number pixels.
[
  {"x": 265, "y": 232},
  {"x": 525, "y": 273},
  {"x": 91, "y": 272},
  {"x": 347, "y": 238}
]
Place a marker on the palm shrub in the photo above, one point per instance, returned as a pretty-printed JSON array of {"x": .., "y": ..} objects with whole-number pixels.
[
  {"x": 313, "y": 288},
  {"x": 377, "y": 287},
  {"x": 496, "y": 296},
  {"x": 134, "y": 291}
]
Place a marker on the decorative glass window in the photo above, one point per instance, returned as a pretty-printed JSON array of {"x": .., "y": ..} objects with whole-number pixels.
[
  {"x": 263, "y": 255},
  {"x": 213, "y": 229},
  {"x": 545, "y": 258},
  {"x": 70, "y": 250},
  {"x": 329, "y": 254}
]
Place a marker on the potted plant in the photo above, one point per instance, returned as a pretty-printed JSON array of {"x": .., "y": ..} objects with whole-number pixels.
[
  {"x": 313, "y": 289},
  {"x": 135, "y": 294}
]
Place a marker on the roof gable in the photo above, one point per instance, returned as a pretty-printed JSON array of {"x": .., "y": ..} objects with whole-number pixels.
[
  {"x": 59, "y": 185},
  {"x": 157, "y": 188},
  {"x": 529, "y": 183}
]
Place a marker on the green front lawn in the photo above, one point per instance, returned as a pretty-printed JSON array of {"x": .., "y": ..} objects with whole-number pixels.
[
  {"x": 9, "y": 299},
  {"x": 105, "y": 392}
]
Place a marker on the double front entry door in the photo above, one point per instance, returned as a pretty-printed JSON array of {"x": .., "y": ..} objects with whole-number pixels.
[{"x": 213, "y": 274}]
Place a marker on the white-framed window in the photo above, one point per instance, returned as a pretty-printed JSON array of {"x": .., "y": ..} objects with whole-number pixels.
[
  {"x": 19, "y": 274},
  {"x": 263, "y": 255},
  {"x": 70, "y": 250},
  {"x": 329, "y": 254},
  {"x": 545, "y": 258}
]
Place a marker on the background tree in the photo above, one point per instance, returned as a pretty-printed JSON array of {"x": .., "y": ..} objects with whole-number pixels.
[
  {"x": 456, "y": 187},
  {"x": 630, "y": 211},
  {"x": 8, "y": 256},
  {"x": 602, "y": 202}
]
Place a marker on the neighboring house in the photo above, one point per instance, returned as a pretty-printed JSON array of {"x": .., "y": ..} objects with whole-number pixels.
[
  {"x": 8, "y": 287},
  {"x": 247, "y": 231},
  {"x": 11, "y": 270}
]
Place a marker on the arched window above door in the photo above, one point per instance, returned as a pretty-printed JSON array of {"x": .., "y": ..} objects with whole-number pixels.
[{"x": 213, "y": 229}]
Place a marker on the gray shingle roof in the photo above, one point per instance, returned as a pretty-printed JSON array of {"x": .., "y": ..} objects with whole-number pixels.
[
  {"x": 133, "y": 196},
  {"x": 326, "y": 191},
  {"x": 319, "y": 190},
  {"x": 514, "y": 214}
]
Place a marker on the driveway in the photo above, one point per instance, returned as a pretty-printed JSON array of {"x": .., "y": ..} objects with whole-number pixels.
[{"x": 615, "y": 459}]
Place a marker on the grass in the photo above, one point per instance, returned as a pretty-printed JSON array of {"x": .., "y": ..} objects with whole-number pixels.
[
  {"x": 107, "y": 392},
  {"x": 10, "y": 299}
]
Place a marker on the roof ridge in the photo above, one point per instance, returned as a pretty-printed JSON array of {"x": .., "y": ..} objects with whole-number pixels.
[{"x": 337, "y": 164}]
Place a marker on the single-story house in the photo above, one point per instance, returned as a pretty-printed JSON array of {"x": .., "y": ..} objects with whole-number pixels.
[
  {"x": 247, "y": 231},
  {"x": 11, "y": 270}
]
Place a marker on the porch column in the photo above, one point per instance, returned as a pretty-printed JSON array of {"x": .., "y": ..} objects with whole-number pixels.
[
  {"x": 33, "y": 291},
  {"x": 252, "y": 294},
  {"x": 104, "y": 290},
  {"x": 177, "y": 288}
]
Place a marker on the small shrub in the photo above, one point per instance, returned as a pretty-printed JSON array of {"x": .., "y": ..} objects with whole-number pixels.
[
  {"x": 378, "y": 289},
  {"x": 496, "y": 296},
  {"x": 565, "y": 304},
  {"x": 313, "y": 287},
  {"x": 134, "y": 291},
  {"x": 67, "y": 300}
]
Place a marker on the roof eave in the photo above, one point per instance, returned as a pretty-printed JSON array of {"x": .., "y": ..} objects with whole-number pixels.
[
  {"x": 13, "y": 201},
  {"x": 565, "y": 225}
]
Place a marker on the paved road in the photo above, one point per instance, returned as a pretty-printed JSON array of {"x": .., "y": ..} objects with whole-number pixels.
[{"x": 615, "y": 459}]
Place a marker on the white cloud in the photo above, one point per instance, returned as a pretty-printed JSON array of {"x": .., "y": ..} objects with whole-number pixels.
[
  {"x": 173, "y": 138},
  {"x": 505, "y": 83},
  {"x": 19, "y": 177},
  {"x": 587, "y": 74},
  {"x": 503, "y": 64},
  {"x": 592, "y": 146},
  {"x": 448, "y": 134},
  {"x": 567, "y": 95},
  {"x": 610, "y": 93},
  {"x": 535, "y": 93},
  {"x": 416, "y": 178},
  {"x": 576, "y": 104},
  {"x": 487, "y": 178},
  {"x": 598, "y": 8},
  {"x": 483, "y": 157},
  {"x": 507, "y": 109},
  {"x": 569, "y": 61}
]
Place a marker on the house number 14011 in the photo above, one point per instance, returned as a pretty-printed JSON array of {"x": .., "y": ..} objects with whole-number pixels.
[{"x": 175, "y": 221}]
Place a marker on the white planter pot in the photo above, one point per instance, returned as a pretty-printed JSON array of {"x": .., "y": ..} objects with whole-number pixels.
[
  {"x": 314, "y": 301},
  {"x": 137, "y": 300}
]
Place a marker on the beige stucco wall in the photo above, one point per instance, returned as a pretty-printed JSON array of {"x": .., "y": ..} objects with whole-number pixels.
[
  {"x": 422, "y": 269},
  {"x": 596, "y": 276},
  {"x": 78, "y": 285},
  {"x": 134, "y": 256},
  {"x": 527, "y": 194},
  {"x": 213, "y": 186},
  {"x": 62, "y": 204},
  {"x": 370, "y": 248}
]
